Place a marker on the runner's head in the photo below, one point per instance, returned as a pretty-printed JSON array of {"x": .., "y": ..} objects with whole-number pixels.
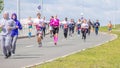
[
  {"x": 38, "y": 15},
  {"x": 14, "y": 16},
  {"x": 84, "y": 21},
  {"x": 55, "y": 16},
  {"x": 5, "y": 15},
  {"x": 66, "y": 18},
  {"x": 79, "y": 20},
  {"x": 29, "y": 18},
  {"x": 97, "y": 20}
]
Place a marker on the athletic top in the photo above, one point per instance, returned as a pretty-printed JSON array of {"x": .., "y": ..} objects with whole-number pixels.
[{"x": 39, "y": 24}]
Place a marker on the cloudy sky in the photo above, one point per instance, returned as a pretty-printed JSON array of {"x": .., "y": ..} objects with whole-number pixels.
[{"x": 104, "y": 10}]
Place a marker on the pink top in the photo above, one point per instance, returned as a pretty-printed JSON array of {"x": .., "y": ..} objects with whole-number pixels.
[
  {"x": 51, "y": 22},
  {"x": 55, "y": 22}
]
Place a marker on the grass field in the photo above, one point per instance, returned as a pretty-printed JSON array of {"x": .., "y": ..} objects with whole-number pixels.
[{"x": 104, "y": 56}]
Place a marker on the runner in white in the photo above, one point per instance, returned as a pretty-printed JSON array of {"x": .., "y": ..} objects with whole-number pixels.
[
  {"x": 84, "y": 27},
  {"x": 39, "y": 27}
]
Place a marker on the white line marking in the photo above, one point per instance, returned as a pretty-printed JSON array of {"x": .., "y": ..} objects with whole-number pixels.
[{"x": 30, "y": 46}]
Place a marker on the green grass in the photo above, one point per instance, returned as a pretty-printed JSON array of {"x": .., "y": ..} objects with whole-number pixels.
[{"x": 104, "y": 56}]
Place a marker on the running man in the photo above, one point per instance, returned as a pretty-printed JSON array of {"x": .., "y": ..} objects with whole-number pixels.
[
  {"x": 90, "y": 25},
  {"x": 39, "y": 27},
  {"x": 30, "y": 26},
  {"x": 109, "y": 26},
  {"x": 6, "y": 25},
  {"x": 71, "y": 27},
  {"x": 84, "y": 27},
  {"x": 55, "y": 25},
  {"x": 15, "y": 32},
  {"x": 96, "y": 26},
  {"x": 44, "y": 26},
  {"x": 65, "y": 30}
]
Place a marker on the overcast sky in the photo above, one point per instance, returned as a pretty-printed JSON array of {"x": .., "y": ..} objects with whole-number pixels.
[{"x": 104, "y": 10}]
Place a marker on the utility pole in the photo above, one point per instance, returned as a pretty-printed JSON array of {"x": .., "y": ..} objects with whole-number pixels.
[{"x": 18, "y": 9}]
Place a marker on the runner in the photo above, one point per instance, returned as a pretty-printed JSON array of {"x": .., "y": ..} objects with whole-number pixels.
[
  {"x": 44, "y": 26},
  {"x": 6, "y": 26},
  {"x": 39, "y": 27},
  {"x": 70, "y": 28},
  {"x": 89, "y": 26},
  {"x": 73, "y": 26},
  {"x": 84, "y": 27},
  {"x": 109, "y": 26},
  {"x": 65, "y": 23},
  {"x": 30, "y": 23},
  {"x": 78, "y": 27},
  {"x": 15, "y": 33},
  {"x": 55, "y": 25},
  {"x": 96, "y": 26},
  {"x": 50, "y": 26}
]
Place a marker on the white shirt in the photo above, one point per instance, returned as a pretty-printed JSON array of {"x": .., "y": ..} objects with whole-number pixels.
[
  {"x": 79, "y": 22},
  {"x": 5, "y": 23},
  {"x": 65, "y": 22},
  {"x": 84, "y": 25}
]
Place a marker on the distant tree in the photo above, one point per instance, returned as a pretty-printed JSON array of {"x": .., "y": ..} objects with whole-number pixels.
[{"x": 1, "y": 5}]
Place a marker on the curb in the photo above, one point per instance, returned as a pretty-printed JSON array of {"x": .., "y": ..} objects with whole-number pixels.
[{"x": 33, "y": 65}]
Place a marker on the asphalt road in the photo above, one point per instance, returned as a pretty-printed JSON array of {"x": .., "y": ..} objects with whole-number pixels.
[{"x": 28, "y": 52}]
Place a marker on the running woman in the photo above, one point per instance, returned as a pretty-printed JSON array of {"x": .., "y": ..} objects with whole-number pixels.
[
  {"x": 39, "y": 27},
  {"x": 84, "y": 27},
  {"x": 50, "y": 26},
  {"x": 30, "y": 23},
  {"x": 78, "y": 25},
  {"x": 6, "y": 26},
  {"x": 65, "y": 24},
  {"x": 15, "y": 32},
  {"x": 55, "y": 25}
]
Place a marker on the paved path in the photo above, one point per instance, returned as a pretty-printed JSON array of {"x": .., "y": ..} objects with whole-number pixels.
[{"x": 29, "y": 53}]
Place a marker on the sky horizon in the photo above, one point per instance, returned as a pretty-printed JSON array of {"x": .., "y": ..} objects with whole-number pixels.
[{"x": 104, "y": 10}]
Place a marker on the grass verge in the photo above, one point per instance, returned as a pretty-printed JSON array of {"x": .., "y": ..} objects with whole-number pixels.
[{"x": 104, "y": 56}]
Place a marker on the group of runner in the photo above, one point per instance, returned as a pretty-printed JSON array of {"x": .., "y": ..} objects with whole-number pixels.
[
  {"x": 82, "y": 26},
  {"x": 10, "y": 26}
]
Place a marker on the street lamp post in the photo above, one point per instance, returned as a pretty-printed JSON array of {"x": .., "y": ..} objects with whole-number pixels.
[
  {"x": 82, "y": 16},
  {"x": 40, "y": 7},
  {"x": 18, "y": 9}
]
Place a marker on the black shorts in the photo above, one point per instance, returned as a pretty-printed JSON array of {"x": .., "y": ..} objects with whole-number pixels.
[{"x": 55, "y": 30}]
